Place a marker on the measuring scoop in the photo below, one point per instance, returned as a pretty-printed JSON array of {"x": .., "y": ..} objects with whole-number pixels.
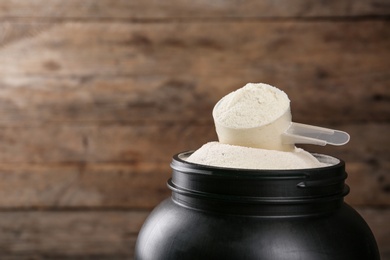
[
  {"x": 281, "y": 134},
  {"x": 309, "y": 134}
]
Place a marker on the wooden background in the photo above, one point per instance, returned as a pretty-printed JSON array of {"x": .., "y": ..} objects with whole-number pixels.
[{"x": 97, "y": 95}]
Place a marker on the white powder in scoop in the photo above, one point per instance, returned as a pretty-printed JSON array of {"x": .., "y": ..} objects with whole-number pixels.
[
  {"x": 230, "y": 156},
  {"x": 252, "y": 106},
  {"x": 255, "y": 104}
]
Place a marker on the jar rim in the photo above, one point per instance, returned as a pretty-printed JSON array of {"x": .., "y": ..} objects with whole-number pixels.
[
  {"x": 190, "y": 179},
  {"x": 179, "y": 160}
]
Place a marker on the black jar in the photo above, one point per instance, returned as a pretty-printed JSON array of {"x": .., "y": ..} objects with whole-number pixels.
[{"x": 224, "y": 213}]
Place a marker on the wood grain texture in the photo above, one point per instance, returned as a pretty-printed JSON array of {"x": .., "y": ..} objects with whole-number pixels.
[
  {"x": 37, "y": 101},
  {"x": 378, "y": 220},
  {"x": 82, "y": 186},
  {"x": 325, "y": 67},
  {"x": 175, "y": 9},
  {"x": 97, "y": 95},
  {"x": 155, "y": 143},
  {"x": 152, "y": 143},
  {"x": 69, "y": 235},
  {"x": 200, "y": 49},
  {"x": 128, "y": 166},
  {"x": 102, "y": 234}
]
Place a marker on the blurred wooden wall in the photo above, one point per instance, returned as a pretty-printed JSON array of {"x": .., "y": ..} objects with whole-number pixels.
[{"x": 97, "y": 95}]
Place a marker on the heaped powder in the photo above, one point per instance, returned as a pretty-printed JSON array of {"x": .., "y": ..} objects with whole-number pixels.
[
  {"x": 249, "y": 107},
  {"x": 255, "y": 104},
  {"x": 230, "y": 156}
]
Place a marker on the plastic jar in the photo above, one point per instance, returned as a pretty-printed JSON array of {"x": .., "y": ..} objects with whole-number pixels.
[{"x": 223, "y": 213}]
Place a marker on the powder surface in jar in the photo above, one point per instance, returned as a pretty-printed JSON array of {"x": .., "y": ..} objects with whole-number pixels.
[
  {"x": 253, "y": 105},
  {"x": 231, "y": 156}
]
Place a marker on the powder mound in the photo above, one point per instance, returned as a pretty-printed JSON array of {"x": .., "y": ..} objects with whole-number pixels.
[
  {"x": 231, "y": 156},
  {"x": 255, "y": 104}
]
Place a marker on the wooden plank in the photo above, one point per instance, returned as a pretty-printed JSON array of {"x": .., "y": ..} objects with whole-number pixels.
[
  {"x": 149, "y": 9},
  {"x": 69, "y": 235},
  {"x": 104, "y": 235},
  {"x": 369, "y": 183},
  {"x": 155, "y": 143},
  {"x": 378, "y": 220},
  {"x": 56, "y": 52},
  {"x": 102, "y": 101},
  {"x": 28, "y": 101},
  {"x": 180, "y": 70},
  {"x": 319, "y": 49},
  {"x": 132, "y": 144},
  {"x": 79, "y": 186},
  {"x": 126, "y": 167}
]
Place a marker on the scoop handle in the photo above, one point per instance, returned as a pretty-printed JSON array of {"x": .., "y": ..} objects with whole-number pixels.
[{"x": 308, "y": 134}]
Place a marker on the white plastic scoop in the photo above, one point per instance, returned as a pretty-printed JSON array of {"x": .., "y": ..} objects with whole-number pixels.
[
  {"x": 308, "y": 134},
  {"x": 281, "y": 134}
]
